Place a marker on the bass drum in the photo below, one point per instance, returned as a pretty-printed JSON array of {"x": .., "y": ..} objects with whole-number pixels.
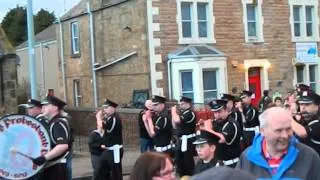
[{"x": 22, "y": 138}]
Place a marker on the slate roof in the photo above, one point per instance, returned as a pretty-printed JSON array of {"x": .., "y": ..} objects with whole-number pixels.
[{"x": 48, "y": 34}]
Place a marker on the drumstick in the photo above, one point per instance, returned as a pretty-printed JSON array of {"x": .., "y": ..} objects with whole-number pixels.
[{"x": 15, "y": 151}]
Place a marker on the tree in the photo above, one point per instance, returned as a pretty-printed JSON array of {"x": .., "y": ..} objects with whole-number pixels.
[
  {"x": 42, "y": 20},
  {"x": 15, "y": 23}
]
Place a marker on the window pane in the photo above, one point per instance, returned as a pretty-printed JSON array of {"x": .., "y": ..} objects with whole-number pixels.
[
  {"x": 312, "y": 73},
  {"x": 186, "y": 29},
  {"x": 186, "y": 11},
  {"x": 297, "y": 29},
  {"x": 300, "y": 74},
  {"x": 186, "y": 80},
  {"x": 209, "y": 80},
  {"x": 309, "y": 29},
  {"x": 76, "y": 92},
  {"x": 309, "y": 20},
  {"x": 296, "y": 13},
  {"x": 208, "y": 96},
  {"x": 202, "y": 11},
  {"x": 189, "y": 95},
  {"x": 313, "y": 86},
  {"x": 309, "y": 10},
  {"x": 202, "y": 26},
  {"x": 75, "y": 37},
  {"x": 75, "y": 29},
  {"x": 76, "y": 45},
  {"x": 251, "y": 12},
  {"x": 252, "y": 31}
]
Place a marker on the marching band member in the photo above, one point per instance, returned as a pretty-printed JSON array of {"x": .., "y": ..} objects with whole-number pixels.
[
  {"x": 251, "y": 120},
  {"x": 110, "y": 166},
  {"x": 185, "y": 121},
  {"x": 59, "y": 132},
  {"x": 228, "y": 149},
  {"x": 205, "y": 143},
  {"x": 308, "y": 128},
  {"x": 159, "y": 126},
  {"x": 34, "y": 108}
]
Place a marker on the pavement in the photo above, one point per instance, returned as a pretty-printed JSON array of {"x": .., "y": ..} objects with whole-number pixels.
[{"x": 82, "y": 169}]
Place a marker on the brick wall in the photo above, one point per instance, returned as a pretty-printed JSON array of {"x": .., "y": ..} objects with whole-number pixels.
[{"x": 229, "y": 34}]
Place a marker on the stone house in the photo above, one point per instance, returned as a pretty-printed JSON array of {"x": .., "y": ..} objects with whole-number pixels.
[
  {"x": 196, "y": 48},
  {"x": 108, "y": 43},
  {"x": 8, "y": 76}
]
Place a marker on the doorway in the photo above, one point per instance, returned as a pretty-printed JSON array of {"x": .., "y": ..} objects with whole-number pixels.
[{"x": 255, "y": 84}]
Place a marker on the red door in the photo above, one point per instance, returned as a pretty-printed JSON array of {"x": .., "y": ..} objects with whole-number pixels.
[{"x": 255, "y": 84}]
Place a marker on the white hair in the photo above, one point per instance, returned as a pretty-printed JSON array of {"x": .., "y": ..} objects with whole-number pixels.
[{"x": 263, "y": 118}]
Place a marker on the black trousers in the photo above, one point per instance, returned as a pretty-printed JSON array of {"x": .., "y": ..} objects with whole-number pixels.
[
  {"x": 55, "y": 172},
  {"x": 184, "y": 160},
  {"x": 107, "y": 169},
  {"x": 247, "y": 139},
  {"x": 95, "y": 160}
]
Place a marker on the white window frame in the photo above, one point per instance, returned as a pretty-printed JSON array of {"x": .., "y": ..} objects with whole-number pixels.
[
  {"x": 306, "y": 74},
  {"x": 259, "y": 21},
  {"x": 195, "y": 39},
  {"x": 198, "y": 66},
  {"x": 76, "y": 92},
  {"x": 303, "y": 33},
  {"x": 75, "y": 36}
]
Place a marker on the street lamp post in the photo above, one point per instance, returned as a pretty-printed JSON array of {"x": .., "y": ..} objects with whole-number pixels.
[{"x": 32, "y": 63}]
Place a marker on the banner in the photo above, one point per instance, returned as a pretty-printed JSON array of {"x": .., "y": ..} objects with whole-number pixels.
[{"x": 306, "y": 52}]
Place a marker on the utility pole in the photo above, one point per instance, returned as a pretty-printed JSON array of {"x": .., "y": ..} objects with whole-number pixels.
[{"x": 32, "y": 63}]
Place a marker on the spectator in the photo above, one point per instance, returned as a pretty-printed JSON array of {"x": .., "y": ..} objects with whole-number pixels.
[
  {"x": 276, "y": 153},
  {"x": 95, "y": 141},
  {"x": 153, "y": 166},
  {"x": 145, "y": 139},
  {"x": 278, "y": 101},
  {"x": 264, "y": 101}
]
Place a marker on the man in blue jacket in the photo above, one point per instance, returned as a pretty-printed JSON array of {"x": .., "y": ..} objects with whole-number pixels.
[{"x": 276, "y": 154}]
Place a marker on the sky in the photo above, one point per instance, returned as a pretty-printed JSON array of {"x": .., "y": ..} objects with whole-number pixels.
[{"x": 57, "y": 6}]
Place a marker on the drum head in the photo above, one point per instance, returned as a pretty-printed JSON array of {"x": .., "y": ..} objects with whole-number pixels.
[{"x": 21, "y": 138}]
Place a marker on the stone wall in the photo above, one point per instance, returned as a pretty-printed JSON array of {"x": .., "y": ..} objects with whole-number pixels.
[
  {"x": 8, "y": 93},
  {"x": 118, "y": 31}
]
